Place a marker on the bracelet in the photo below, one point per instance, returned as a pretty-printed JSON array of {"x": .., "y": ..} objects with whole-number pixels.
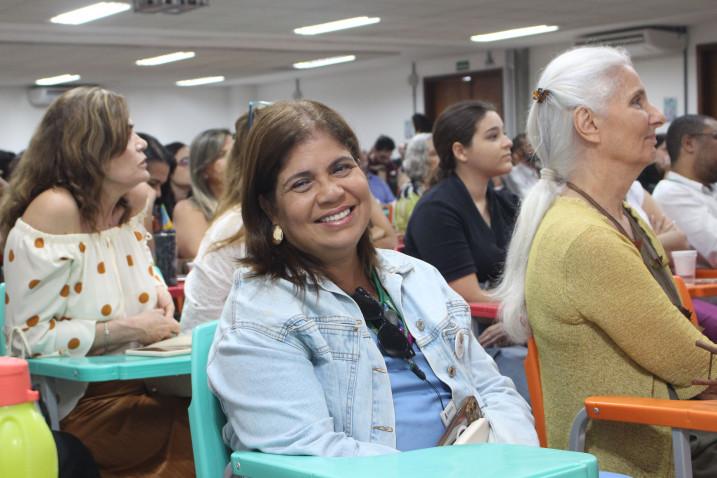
[{"x": 106, "y": 325}]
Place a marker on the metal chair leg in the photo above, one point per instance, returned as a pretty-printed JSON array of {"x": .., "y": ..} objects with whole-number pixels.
[
  {"x": 47, "y": 395},
  {"x": 577, "y": 432},
  {"x": 681, "y": 453}
]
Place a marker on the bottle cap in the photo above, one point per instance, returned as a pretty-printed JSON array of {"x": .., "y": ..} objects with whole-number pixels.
[{"x": 15, "y": 382}]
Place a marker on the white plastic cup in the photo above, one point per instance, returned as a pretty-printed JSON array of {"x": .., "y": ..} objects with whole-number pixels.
[{"x": 685, "y": 264}]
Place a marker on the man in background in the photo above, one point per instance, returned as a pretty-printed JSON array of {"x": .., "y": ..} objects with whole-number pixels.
[
  {"x": 382, "y": 172},
  {"x": 687, "y": 194}
]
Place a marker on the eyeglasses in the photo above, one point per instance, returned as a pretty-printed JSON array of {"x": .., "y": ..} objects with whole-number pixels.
[
  {"x": 254, "y": 106},
  {"x": 391, "y": 339},
  {"x": 712, "y": 133}
]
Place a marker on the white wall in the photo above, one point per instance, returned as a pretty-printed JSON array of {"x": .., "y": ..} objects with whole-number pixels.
[
  {"x": 372, "y": 102},
  {"x": 170, "y": 114},
  {"x": 19, "y": 119},
  {"x": 178, "y": 114},
  {"x": 376, "y": 101}
]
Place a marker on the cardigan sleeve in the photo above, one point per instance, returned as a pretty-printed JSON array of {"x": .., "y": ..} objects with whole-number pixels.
[
  {"x": 40, "y": 278},
  {"x": 610, "y": 286}
]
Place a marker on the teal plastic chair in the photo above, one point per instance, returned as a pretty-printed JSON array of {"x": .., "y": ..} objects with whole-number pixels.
[
  {"x": 211, "y": 455},
  {"x": 99, "y": 368},
  {"x": 205, "y": 416}
]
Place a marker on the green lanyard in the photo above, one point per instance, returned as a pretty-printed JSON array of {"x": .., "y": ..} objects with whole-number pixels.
[{"x": 386, "y": 300}]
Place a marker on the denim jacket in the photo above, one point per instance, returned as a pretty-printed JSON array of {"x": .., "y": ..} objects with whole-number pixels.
[{"x": 302, "y": 375}]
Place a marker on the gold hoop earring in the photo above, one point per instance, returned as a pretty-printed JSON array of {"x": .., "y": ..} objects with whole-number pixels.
[{"x": 277, "y": 235}]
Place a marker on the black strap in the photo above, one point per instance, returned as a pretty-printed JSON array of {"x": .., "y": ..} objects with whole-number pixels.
[{"x": 597, "y": 206}]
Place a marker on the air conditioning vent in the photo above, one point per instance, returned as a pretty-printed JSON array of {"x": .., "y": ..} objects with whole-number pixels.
[
  {"x": 642, "y": 42},
  {"x": 42, "y": 96},
  {"x": 168, "y": 6}
]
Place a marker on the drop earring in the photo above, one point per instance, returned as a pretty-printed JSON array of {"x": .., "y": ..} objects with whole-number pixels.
[{"x": 277, "y": 235}]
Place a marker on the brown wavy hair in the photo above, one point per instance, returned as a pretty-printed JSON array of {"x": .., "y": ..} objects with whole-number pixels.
[
  {"x": 78, "y": 135},
  {"x": 280, "y": 128}
]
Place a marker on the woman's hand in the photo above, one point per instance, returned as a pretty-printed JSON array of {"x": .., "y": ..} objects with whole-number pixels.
[
  {"x": 709, "y": 394},
  {"x": 151, "y": 326},
  {"x": 165, "y": 302},
  {"x": 146, "y": 328},
  {"x": 494, "y": 336}
]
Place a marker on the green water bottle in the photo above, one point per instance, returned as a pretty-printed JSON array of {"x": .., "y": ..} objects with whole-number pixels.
[{"x": 27, "y": 449}]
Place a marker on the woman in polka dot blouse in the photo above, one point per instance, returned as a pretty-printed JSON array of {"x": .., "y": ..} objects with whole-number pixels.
[{"x": 80, "y": 278}]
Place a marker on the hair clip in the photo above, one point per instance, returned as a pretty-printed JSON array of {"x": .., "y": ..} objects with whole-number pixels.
[{"x": 540, "y": 95}]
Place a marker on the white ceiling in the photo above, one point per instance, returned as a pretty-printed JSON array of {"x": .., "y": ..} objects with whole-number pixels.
[{"x": 245, "y": 40}]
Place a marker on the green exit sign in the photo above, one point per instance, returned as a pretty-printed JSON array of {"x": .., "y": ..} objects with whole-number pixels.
[{"x": 463, "y": 65}]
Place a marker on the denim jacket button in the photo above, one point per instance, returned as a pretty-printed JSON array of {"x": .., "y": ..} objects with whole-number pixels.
[
  {"x": 460, "y": 347},
  {"x": 421, "y": 325},
  {"x": 384, "y": 429},
  {"x": 451, "y": 371}
]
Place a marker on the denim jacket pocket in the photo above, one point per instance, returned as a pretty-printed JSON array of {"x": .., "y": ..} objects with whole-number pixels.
[
  {"x": 335, "y": 365},
  {"x": 341, "y": 335}
]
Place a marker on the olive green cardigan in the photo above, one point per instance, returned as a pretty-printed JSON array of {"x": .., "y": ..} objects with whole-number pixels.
[{"x": 603, "y": 326}]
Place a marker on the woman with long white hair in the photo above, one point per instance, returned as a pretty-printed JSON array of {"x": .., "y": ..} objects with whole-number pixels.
[{"x": 587, "y": 276}]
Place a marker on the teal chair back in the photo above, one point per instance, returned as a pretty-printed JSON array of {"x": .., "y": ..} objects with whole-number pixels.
[
  {"x": 2, "y": 320},
  {"x": 206, "y": 418}
]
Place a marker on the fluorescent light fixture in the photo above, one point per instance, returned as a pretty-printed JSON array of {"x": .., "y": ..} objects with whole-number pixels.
[
  {"x": 168, "y": 58},
  {"x": 337, "y": 25},
  {"x": 205, "y": 80},
  {"x": 514, "y": 33},
  {"x": 303, "y": 65},
  {"x": 90, "y": 13},
  {"x": 56, "y": 80}
]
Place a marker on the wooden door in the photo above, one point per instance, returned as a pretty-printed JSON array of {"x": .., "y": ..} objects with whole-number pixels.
[
  {"x": 707, "y": 79},
  {"x": 442, "y": 91}
]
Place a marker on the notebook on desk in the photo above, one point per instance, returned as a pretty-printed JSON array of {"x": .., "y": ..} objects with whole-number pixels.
[{"x": 179, "y": 345}]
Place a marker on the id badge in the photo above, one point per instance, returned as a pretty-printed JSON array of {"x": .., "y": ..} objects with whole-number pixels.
[{"x": 468, "y": 413}]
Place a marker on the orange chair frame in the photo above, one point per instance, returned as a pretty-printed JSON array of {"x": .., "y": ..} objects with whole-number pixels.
[
  {"x": 680, "y": 415},
  {"x": 686, "y": 298},
  {"x": 706, "y": 273}
]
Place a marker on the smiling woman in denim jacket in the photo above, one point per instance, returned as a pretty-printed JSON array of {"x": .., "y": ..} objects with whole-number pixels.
[{"x": 327, "y": 346}]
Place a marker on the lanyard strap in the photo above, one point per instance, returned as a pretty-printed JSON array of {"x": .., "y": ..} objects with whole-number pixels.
[
  {"x": 383, "y": 296},
  {"x": 387, "y": 302},
  {"x": 650, "y": 257},
  {"x": 597, "y": 206}
]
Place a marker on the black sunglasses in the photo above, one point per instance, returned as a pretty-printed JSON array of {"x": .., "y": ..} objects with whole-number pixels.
[{"x": 391, "y": 340}]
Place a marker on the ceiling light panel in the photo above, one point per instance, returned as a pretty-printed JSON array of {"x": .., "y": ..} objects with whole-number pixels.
[
  {"x": 90, "y": 13},
  {"x": 304, "y": 65},
  {"x": 168, "y": 58},
  {"x": 205, "y": 80},
  {"x": 514, "y": 33},
  {"x": 57, "y": 80},
  {"x": 337, "y": 25}
]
